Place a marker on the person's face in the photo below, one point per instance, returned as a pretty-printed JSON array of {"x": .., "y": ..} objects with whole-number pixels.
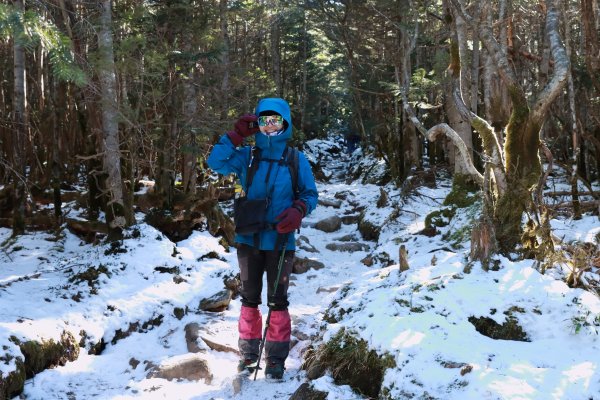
[{"x": 270, "y": 123}]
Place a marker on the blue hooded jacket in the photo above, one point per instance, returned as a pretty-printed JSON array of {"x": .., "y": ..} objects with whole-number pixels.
[{"x": 225, "y": 159}]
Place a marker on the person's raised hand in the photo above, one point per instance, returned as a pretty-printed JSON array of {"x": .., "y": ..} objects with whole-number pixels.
[
  {"x": 291, "y": 218},
  {"x": 245, "y": 126}
]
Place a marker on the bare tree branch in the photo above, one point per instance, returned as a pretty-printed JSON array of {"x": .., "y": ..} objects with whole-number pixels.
[
  {"x": 561, "y": 65},
  {"x": 445, "y": 129}
]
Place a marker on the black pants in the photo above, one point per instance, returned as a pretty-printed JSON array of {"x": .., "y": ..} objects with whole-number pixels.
[{"x": 253, "y": 263}]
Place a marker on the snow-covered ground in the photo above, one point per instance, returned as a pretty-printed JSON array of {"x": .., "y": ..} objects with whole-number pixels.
[{"x": 419, "y": 317}]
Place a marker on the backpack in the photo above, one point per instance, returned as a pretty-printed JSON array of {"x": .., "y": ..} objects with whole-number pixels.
[
  {"x": 250, "y": 215},
  {"x": 289, "y": 158}
]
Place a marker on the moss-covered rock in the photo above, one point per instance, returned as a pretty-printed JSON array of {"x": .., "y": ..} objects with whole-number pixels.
[
  {"x": 38, "y": 356},
  {"x": 440, "y": 217},
  {"x": 368, "y": 229},
  {"x": 463, "y": 194},
  {"x": 48, "y": 353},
  {"x": 351, "y": 362},
  {"x": 12, "y": 384}
]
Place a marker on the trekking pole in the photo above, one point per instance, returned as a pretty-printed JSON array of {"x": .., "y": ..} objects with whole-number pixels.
[{"x": 264, "y": 337}]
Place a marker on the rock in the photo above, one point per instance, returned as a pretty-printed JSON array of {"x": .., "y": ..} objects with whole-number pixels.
[
  {"x": 307, "y": 392},
  {"x": 330, "y": 224},
  {"x": 300, "y": 335},
  {"x": 189, "y": 367},
  {"x": 179, "y": 312},
  {"x": 233, "y": 283},
  {"x": 403, "y": 259},
  {"x": 430, "y": 231},
  {"x": 302, "y": 239},
  {"x": 219, "y": 347},
  {"x": 192, "y": 333},
  {"x": 383, "y": 198},
  {"x": 367, "y": 229},
  {"x": 308, "y": 248},
  {"x": 343, "y": 195},
  {"x": 350, "y": 247},
  {"x": 330, "y": 203},
  {"x": 133, "y": 363},
  {"x": 350, "y": 219},
  {"x": 301, "y": 265},
  {"x": 347, "y": 238},
  {"x": 368, "y": 261},
  {"x": 327, "y": 290},
  {"x": 217, "y": 302},
  {"x": 304, "y": 244},
  {"x": 39, "y": 355}
]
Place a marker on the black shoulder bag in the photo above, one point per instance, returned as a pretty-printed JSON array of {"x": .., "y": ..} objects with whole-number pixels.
[{"x": 250, "y": 215}]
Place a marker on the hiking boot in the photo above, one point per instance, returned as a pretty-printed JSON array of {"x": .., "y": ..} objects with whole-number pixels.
[
  {"x": 246, "y": 365},
  {"x": 274, "y": 370}
]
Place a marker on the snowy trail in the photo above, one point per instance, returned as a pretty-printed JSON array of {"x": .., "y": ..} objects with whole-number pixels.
[
  {"x": 421, "y": 318},
  {"x": 310, "y": 295},
  {"x": 120, "y": 371}
]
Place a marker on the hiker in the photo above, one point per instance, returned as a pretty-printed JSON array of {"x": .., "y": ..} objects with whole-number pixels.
[
  {"x": 352, "y": 140},
  {"x": 278, "y": 191}
]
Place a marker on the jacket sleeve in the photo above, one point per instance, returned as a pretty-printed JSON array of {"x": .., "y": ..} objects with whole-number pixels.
[
  {"x": 306, "y": 184},
  {"x": 225, "y": 158}
]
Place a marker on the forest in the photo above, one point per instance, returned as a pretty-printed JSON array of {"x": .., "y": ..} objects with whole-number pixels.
[
  {"x": 110, "y": 109},
  {"x": 104, "y": 94}
]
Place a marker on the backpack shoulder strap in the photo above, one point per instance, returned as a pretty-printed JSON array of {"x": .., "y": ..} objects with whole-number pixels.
[
  {"x": 293, "y": 161},
  {"x": 252, "y": 166}
]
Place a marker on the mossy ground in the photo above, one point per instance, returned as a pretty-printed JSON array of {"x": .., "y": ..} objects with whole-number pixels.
[
  {"x": 351, "y": 362},
  {"x": 464, "y": 192},
  {"x": 509, "y": 330},
  {"x": 38, "y": 356},
  {"x": 91, "y": 275}
]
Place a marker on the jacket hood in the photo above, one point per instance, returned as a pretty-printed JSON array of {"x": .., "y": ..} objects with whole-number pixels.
[{"x": 272, "y": 146}]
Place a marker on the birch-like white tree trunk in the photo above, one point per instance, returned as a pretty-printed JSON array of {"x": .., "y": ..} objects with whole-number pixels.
[
  {"x": 574, "y": 129},
  {"x": 110, "y": 124}
]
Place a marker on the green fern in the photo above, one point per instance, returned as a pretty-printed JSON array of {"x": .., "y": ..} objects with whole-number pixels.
[{"x": 30, "y": 30}]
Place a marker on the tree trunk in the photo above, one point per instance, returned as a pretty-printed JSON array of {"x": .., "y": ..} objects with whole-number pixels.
[
  {"x": 410, "y": 144},
  {"x": 58, "y": 96},
  {"x": 224, "y": 58},
  {"x": 190, "y": 153},
  {"x": 574, "y": 130},
  {"x": 304, "y": 93},
  {"x": 276, "y": 56},
  {"x": 115, "y": 207},
  {"x": 165, "y": 179},
  {"x": 523, "y": 165},
  {"x": 19, "y": 120},
  {"x": 591, "y": 40}
]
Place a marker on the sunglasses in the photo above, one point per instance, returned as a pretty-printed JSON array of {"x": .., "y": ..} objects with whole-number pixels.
[{"x": 267, "y": 120}]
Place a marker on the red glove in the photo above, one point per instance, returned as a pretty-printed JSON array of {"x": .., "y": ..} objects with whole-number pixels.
[
  {"x": 291, "y": 217},
  {"x": 245, "y": 126}
]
